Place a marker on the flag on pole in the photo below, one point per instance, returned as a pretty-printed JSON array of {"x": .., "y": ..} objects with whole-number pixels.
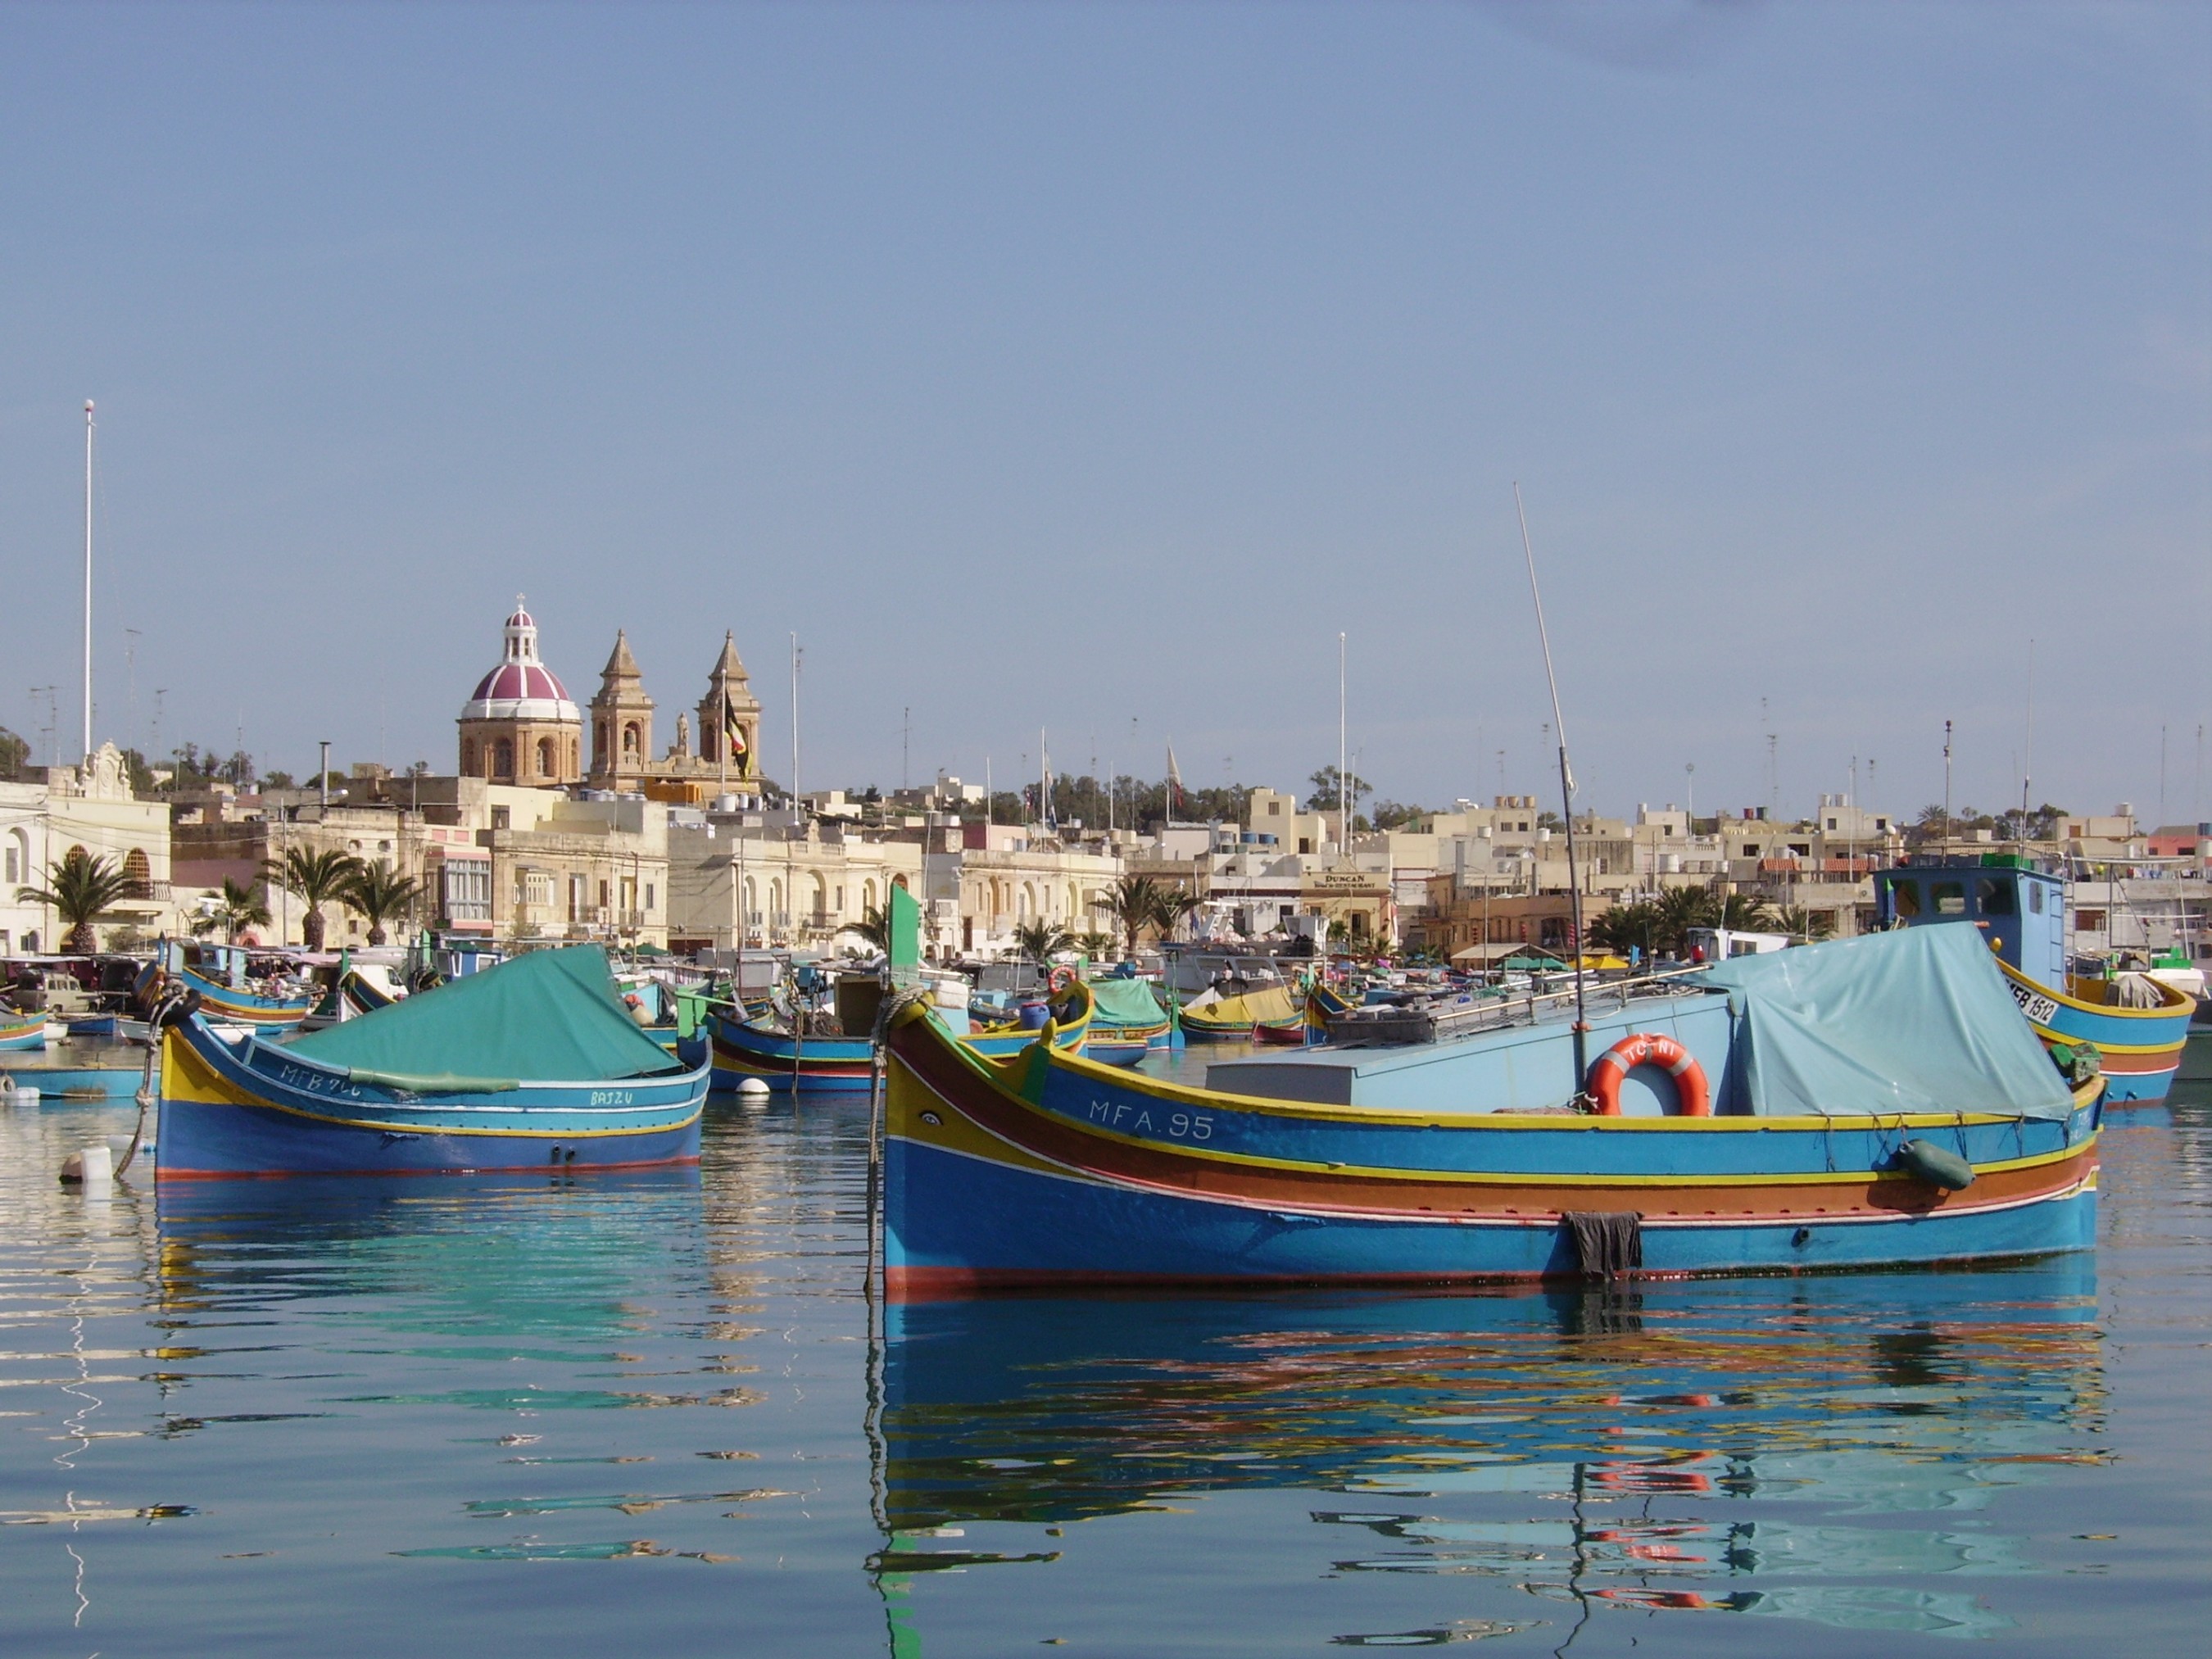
[
  {"x": 733, "y": 733},
  {"x": 1175, "y": 781}
]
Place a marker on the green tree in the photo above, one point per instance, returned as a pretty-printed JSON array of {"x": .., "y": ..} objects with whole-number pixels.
[
  {"x": 14, "y": 754},
  {"x": 316, "y": 879},
  {"x": 237, "y": 909},
  {"x": 1323, "y": 796},
  {"x": 81, "y": 888},
  {"x": 1134, "y": 901},
  {"x": 874, "y": 926},
  {"x": 381, "y": 893},
  {"x": 1177, "y": 906},
  {"x": 1040, "y": 941}
]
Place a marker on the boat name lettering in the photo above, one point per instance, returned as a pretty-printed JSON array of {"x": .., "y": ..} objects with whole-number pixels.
[
  {"x": 1138, "y": 1120},
  {"x": 613, "y": 1097},
  {"x": 2041, "y": 1009}
]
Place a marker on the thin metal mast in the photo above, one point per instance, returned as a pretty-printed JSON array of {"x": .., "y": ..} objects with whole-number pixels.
[
  {"x": 88, "y": 579},
  {"x": 1343, "y": 806},
  {"x": 1566, "y": 799},
  {"x": 2027, "y": 771}
]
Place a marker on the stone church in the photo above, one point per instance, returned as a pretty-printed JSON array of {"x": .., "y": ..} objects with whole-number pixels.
[{"x": 521, "y": 726}]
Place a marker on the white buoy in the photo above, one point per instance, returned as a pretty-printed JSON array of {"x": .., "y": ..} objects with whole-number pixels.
[
  {"x": 93, "y": 1167},
  {"x": 752, "y": 1093}
]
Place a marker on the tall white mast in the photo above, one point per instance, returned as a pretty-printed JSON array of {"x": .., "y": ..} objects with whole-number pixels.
[
  {"x": 88, "y": 579},
  {"x": 1343, "y": 806}
]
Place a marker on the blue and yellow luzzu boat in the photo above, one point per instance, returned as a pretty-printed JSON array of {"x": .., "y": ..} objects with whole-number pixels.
[
  {"x": 218, "y": 973},
  {"x": 21, "y": 1032},
  {"x": 1212, "y": 1018},
  {"x": 1129, "y": 1010},
  {"x": 2020, "y": 911},
  {"x": 757, "y": 1048},
  {"x": 1880, "y": 1102},
  {"x": 529, "y": 1066}
]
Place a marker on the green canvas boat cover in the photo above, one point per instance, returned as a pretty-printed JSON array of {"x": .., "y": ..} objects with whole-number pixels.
[
  {"x": 1126, "y": 1002},
  {"x": 545, "y": 1016},
  {"x": 1917, "y": 1020}
]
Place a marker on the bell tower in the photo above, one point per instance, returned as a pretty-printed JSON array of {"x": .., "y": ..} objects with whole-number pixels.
[
  {"x": 729, "y": 718},
  {"x": 621, "y": 722}
]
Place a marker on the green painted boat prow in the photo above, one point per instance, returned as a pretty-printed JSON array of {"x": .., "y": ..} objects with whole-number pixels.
[
  {"x": 905, "y": 915},
  {"x": 544, "y": 1016}
]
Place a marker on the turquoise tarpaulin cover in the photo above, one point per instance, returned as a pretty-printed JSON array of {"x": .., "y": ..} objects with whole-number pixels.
[
  {"x": 1919, "y": 1020},
  {"x": 1126, "y": 1002},
  {"x": 546, "y": 1017}
]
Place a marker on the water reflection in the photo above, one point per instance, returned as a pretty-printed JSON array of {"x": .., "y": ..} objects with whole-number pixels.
[{"x": 1762, "y": 1447}]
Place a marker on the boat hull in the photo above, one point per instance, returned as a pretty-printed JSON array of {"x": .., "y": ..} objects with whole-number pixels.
[
  {"x": 18, "y": 1035},
  {"x": 1044, "y": 1172},
  {"x": 743, "y": 1049},
  {"x": 2141, "y": 1049},
  {"x": 252, "y": 1110}
]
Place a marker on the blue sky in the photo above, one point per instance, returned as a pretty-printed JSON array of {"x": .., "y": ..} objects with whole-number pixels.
[{"x": 1074, "y": 366}]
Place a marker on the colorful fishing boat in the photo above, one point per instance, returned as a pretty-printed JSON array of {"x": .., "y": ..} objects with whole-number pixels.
[
  {"x": 1129, "y": 1008},
  {"x": 1211, "y": 1017},
  {"x": 21, "y": 1032},
  {"x": 221, "y": 976},
  {"x": 771, "y": 1051},
  {"x": 2018, "y": 909},
  {"x": 532, "y": 1065},
  {"x": 1879, "y": 1102}
]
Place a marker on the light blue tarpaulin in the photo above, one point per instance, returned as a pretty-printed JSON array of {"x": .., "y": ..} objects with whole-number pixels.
[{"x": 1914, "y": 1021}]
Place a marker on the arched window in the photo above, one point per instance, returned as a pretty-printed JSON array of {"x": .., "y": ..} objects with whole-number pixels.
[
  {"x": 775, "y": 902},
  {"x": 18, "y": 857},
  {"x": 752, "y": 900},
  {"x": 867, "y": 896},
  {"x": 502, "y": 759},
  {"x": 820, "y": 900},
  {"x": 1024, "y": 903},
  {"x": 630, "y": 740},
  {"x": 549, "y": 762}
]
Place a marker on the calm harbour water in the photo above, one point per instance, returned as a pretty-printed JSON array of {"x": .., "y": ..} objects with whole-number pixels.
[{"x": 652, "y": 1412}]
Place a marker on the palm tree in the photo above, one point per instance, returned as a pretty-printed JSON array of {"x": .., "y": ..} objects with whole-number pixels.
[
  {"x": 1176, "y": 906},
  {"x": 874, "y": 927},
  {"x": 237, "y": 909},
  {"x": 1095, "y": 944},
  {"x": 318, "y": 877},
  {"x": 1040, "y": 941},
  {"x": 1134, "y": 901},
  {"x": 81, "y": 888},
  {"x": 380, "y": 893},
  {"x": 1748, "y": 912}
]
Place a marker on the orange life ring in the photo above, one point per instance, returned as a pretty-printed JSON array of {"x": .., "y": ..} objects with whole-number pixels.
[
  {"x": 1060, "y": 978},
  {"x": 1650, "y": 1049}
]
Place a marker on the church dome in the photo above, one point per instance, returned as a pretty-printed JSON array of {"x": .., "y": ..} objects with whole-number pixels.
[{"x": 520, "y": 687}]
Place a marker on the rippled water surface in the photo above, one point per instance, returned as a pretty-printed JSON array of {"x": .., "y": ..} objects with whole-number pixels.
[{"x": 654, "y": 1413}]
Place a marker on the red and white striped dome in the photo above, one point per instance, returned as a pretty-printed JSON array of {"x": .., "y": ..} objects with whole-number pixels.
[{"x": 521, "y": 687}]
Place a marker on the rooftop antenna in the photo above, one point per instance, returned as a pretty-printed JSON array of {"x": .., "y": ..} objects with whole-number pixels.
[
  {"x": 1566, "y": 798},
  {"x": 2027, "y": 771},
  {"x": 131, "y": 674},
  {"x": 88, "y": 579},
  {"x": 794, "y": 728},
  {"x": 906, "y": 748}
]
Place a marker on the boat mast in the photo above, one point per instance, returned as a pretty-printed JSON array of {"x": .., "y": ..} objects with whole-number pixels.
[
  {"x": 1343, "y": 809},
  {"x": 87, "y": 579},
  {"x": 1567, "y": 800}
]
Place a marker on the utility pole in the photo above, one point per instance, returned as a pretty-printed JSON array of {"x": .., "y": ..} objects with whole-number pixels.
[
  {"x": 323, "y": 777},
  {"x": 1946, "y": 785},
  {"x": 88, "y": 579},
  {"x": 1343, "y": 805}
]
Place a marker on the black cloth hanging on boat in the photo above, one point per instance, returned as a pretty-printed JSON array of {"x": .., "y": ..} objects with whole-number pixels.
[{"x": 1607, "y": 1242}]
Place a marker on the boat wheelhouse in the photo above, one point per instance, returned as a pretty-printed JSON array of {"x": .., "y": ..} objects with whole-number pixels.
[{"x": 2018, "y": 908}]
